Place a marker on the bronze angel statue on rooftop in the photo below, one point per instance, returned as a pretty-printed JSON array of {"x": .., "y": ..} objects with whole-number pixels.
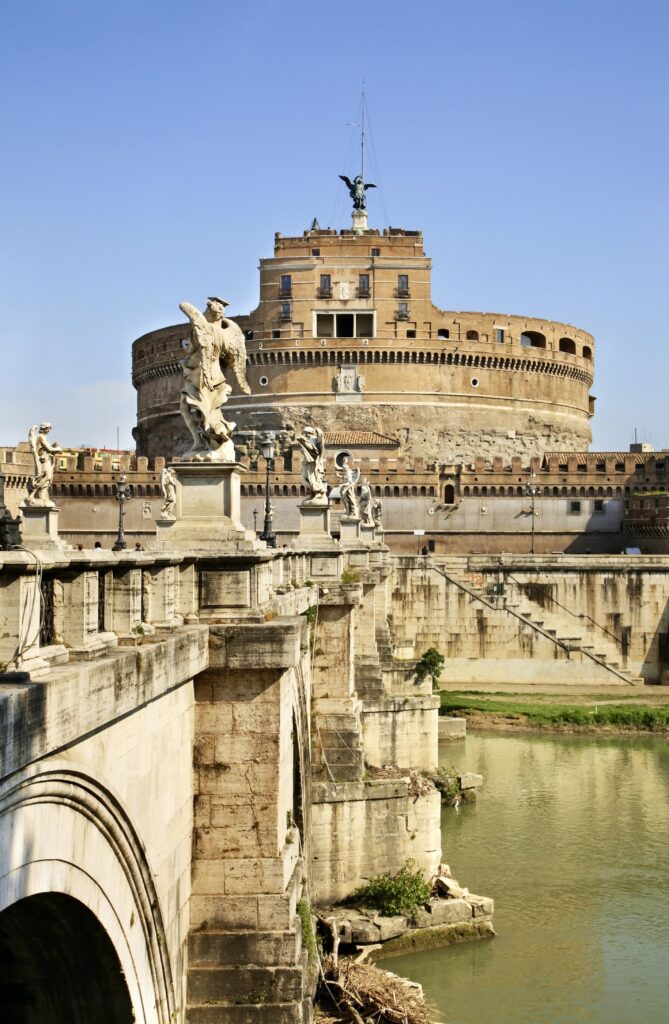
[{"x": 357, "y": 189}]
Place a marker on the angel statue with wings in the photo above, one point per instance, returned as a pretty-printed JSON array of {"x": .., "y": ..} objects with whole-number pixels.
[
  {"x": 349, "y": 478},
  {"x": 313, "y": 466},
  {"x": 214, "y": 343},
  {"x": 357, "y": 189}
]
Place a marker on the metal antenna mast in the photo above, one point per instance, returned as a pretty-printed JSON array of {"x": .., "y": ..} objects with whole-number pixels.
[{"x": 362, "y": 132}]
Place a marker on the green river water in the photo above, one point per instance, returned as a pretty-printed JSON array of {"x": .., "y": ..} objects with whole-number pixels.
[{"x": 570, "y": 835}]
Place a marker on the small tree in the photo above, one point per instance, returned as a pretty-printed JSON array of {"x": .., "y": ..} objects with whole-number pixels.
[{"x": 430, "y": 664}]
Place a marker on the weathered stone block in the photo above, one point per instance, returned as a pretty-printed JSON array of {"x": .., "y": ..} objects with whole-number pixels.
[
  {"x": 264, "y": 984},
  {"x": 482, "y": 906},
  {"x": 448, "y": 911},
  {"x": 390, "y": 927}
]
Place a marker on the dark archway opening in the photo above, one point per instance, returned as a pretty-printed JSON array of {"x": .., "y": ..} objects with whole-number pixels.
[{"x": 58, "y": 965}]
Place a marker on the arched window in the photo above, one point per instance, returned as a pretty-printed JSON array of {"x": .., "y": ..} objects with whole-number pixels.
[
  {"x": 567, "y": 345},
  {"x": 396, "y": 492},
  {"x": 493, "y": 492},
  {"x": 587, "y": 352},
  {"x": 532, "y": 339},
  {"x": 414, "y": 492},
  {"x": 472, "y": 335},
  {"x": 465, "y": 492},
  {"x": 475, "y": 492},
  {"x": 519, "y": 491}
]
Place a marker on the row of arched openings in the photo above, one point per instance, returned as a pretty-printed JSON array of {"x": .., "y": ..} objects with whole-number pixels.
[
  {"x": 554, "y": 492},
  {"x": 104, "y": 490},
  {"x": 286, "y": 491}
]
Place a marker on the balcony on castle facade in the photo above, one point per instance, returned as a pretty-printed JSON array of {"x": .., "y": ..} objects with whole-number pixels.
[
  {"x": 363, "y": 293},
  {"x": 324, "y": 293},
  {"x": 285, "y": 293},
  {"x": 402, "y": 293},
  {"x": 402, "y": 312}
]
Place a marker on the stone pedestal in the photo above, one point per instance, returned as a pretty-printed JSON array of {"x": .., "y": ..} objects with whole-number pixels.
[
  {"x": 40, "y": 527},
  {"x": 349, "y": 531},
  {"x": 207, "y": 509},
  {"x": 359, "y": 221},
  {"x": 314, "y": 528},
  {"x": 367, "y": 534}
]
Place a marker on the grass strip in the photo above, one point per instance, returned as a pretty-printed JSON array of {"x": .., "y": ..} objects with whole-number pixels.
[{"x": 622, "y": 716}]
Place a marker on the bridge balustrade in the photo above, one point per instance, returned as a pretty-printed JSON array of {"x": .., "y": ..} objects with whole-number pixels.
[{"x": 55, "y": 606}]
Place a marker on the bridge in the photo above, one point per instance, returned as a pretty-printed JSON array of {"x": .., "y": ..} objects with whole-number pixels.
[{"x": 186, "y": 738}]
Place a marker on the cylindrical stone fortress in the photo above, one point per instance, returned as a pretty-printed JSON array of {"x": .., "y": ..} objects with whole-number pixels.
[{"x": 346, "y": 337}]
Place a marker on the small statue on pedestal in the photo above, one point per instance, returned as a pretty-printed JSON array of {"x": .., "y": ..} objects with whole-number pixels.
[
  {"x": 44, "y": 454},
  {"x": 365, "y": 501},
  {"x": 168, "y": 485},
  {"x": 377, "y": 513},
  {"x": 349, "y": 478},
  {"x": 313, "y": 465}
]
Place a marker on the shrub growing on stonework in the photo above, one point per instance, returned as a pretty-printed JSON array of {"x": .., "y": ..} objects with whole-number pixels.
[
  {"x": 403, "y": 893},
  {"x": 430, "y": 664}
]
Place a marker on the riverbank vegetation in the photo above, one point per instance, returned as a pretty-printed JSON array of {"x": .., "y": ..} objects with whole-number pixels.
[
  {"x": 587, "y": 713},
  {"x": 402, "y": 893}
]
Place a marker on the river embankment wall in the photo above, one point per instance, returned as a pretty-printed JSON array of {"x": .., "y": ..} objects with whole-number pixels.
[{"x": 545, "y": 619}]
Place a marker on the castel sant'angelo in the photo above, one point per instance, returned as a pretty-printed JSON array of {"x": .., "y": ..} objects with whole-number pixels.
[{"x": 346, "y": 337}]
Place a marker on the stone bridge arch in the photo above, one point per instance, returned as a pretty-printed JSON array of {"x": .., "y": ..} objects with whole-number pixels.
[{"x": 68, "y": 844}]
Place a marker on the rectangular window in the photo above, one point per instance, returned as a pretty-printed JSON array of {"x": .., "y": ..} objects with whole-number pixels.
[
  {"x": 574, "y": 508},
  {"x": 363, "y": 286},
  {"x": 411, "y": 334},
  {"x": 315, "y": 252},
  {"x": 402, "y": 311},
  {"x": 499, "y": 335},
  {"x": 403, "y": 286},
  {"x": 364, "y": 325},
  {"x": 325, "y": 289},
  {"x": 598, "y": 505},
  {"x": 285, "y": 286},
  {"x": 600, "y": 467},
  {"x": 376, "y": 252},
  {"x": 276, "y": 334},
  {"x": 324, "y": 325},
  {"x": 443, "y": 332},
  {"x": 285, "y": 311}
]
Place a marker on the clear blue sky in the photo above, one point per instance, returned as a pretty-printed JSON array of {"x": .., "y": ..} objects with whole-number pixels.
[{"x": 151, "y": 148}]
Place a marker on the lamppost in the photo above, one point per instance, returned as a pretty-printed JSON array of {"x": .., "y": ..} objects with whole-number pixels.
[
  {"x": 268, "y": 451},
  {"x": 532, "y": 490},
  {"x": 255, "y": 520},
  {"x": 123, "y": 492}
]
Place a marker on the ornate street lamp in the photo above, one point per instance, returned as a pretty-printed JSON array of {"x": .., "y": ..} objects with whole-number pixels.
[
  {"x": 123, "y": 492},
  {"x": 268, "y": 451}
]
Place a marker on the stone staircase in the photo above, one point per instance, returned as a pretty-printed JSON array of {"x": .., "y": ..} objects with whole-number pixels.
[
  {"x": 571, "y": 635},
  {"x": 239, "y": 975},
  {"x": 384, "y": 644}
]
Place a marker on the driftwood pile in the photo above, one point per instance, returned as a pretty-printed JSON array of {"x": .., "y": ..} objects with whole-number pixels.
[{"x": 360, "y": 993}]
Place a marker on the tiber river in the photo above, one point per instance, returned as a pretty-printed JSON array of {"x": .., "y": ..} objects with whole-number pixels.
[{"x": 571, "y": 837}]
